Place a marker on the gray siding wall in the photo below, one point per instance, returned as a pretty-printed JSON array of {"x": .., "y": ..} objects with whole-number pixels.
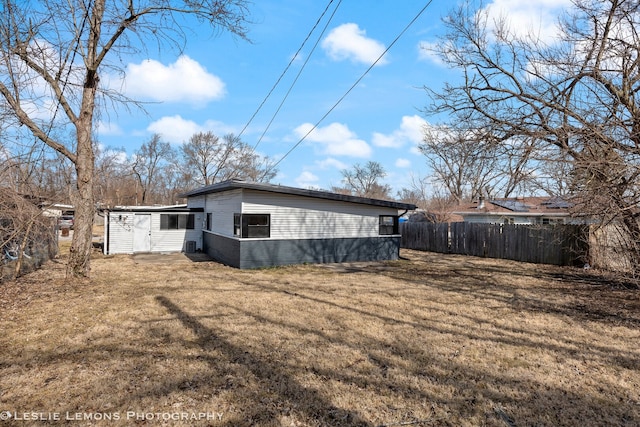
[
  {"x": 223, "y": 249},
  {"x": 295, "y": 217},
  {"x": 252, "y": 253}
]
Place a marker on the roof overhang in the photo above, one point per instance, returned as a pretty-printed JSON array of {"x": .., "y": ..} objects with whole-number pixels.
[
  {"x": 281, "y": 189},
  {"x": 170, "y": 208}
]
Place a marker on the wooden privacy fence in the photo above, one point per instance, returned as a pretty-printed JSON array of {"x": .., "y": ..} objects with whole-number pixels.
[{"x": 557, "y": 244}]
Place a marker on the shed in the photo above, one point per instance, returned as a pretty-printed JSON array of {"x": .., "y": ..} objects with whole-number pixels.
[
  {"x": 251, "y": 225},
  {"x": 134, "y": 229}
]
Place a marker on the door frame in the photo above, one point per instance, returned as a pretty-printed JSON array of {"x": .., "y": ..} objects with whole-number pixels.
[{"x": 141, "y": 233}]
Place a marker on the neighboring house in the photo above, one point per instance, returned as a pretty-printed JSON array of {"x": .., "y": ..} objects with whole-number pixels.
[
  {"x": 57, "y": 209},
  {"x": 133, "y": 229},
  {"x": 250, "y": 225},
  {"x": 518, "y": 210}
]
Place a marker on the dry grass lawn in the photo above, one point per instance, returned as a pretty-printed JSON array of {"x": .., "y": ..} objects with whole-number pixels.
[{"x": 428, "y": 340}]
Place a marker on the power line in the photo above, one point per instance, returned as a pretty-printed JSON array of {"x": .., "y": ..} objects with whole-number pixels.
[
  {"x": 306, "y": 61},
  {"x": 415, "y": 18},
  {"x": 286, "y": 68}
]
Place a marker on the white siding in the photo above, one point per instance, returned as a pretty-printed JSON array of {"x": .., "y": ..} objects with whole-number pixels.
[
  {"x": 222, "y": 206},
  {"x": 174, "y": 240},
  {"x": 120, "y": 233},
  {"x": 296, "y": 217}
]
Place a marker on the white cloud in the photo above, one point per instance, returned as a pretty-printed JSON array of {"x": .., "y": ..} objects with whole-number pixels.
[
  {"x": 348, "y": 41},
  {"x": 174, "y": 129},
  {"x": 403, "y": 163},
  {"x": 426, "y": 53},
  {"x": 411, "y": 130},
  {"x": 218, "y": 128},
  {"x": 177, "y": 130},
  {"x": 538, "y": 17},
  {"x": 183, "y": 81},
  {"x": 118, "y": 156},
  {"x": 331, "y": 163},
  {"x": 381, "y": 140},
  {"x": 307, "y": 180},
  {"x": 335, "y": 140}
]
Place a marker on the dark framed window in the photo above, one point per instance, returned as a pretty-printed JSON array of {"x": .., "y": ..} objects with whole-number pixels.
[
  {"x": 208, "y": 224},
  {"x": 237, "y": 225},
  {"x": 388, "y": 224},
  {"x": 177, "y": 221},
  {"x": 252, "y": 225}
]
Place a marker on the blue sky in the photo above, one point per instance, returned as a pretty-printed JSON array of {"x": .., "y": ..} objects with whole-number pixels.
[{"x": 219, "y": 82}]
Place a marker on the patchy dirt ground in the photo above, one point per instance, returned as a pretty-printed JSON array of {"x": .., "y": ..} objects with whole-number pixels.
[{"x": 428, "y": 340}]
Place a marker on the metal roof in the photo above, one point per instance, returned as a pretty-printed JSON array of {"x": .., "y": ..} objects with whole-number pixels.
[{"x": 281, "y": 189}]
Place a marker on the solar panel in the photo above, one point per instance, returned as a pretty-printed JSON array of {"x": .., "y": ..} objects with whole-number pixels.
[
  {"x": 557, "y": 203},
  {"x": 512, "y": 205}
]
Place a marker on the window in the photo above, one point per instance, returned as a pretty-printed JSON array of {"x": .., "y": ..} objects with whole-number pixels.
[
  {"x": 252, "y": 225},
  {"x": 236, "y": 225},
  {"x": 388, "y": 225},
  {"x": 176, "y": 221},
  {"x": 208, "y": 224}
]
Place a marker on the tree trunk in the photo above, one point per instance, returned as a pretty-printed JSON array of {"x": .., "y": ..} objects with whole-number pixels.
[{"x": 83, "y": 199}]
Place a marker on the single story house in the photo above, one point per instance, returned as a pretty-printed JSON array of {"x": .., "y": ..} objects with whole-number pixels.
[
  {"x": 517, "y": 210},
  {"x": 133, "y": 229},
  {"x": 57, "y": 209},
  {"x": 251, "y": 225}
]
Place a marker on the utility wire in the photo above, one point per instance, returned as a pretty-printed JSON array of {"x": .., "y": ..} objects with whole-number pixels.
[
  {"x": 286, "y": 69},
  {"x": 415, "y": 18},
  {"x": 298, "y": 75}
]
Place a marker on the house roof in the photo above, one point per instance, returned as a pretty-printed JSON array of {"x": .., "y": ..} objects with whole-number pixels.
[
  {"x": 281, "y": 189},
  {"x": 518, "y": 206},
  {"x": 155, "y": 208}
]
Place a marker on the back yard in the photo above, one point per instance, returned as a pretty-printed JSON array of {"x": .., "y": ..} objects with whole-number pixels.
[{"x": 428, "y": 340}]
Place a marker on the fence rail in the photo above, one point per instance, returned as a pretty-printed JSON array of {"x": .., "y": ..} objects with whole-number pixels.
[{"x": 558, "y": 244}]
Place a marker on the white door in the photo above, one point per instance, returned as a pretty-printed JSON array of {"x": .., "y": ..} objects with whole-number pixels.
[{"x": 142, "y": 233}]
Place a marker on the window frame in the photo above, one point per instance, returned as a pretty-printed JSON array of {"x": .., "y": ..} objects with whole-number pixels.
[
  {"x": 386, "y": 229},
  {"x": 208, "y": 220},
  {"x": 175, "y": 221},
  {"x": 252, "y": 226}
]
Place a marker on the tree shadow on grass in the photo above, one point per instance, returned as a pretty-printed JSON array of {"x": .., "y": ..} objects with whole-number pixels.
[{"x": 277, "y": 381}]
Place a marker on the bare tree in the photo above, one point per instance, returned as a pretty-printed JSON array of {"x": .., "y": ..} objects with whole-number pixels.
[
  {"x": 469, "y": 163},
  {"x": 462, "y": 160},
  {"x": 219, "y": 159},
  {"x": 578, "y": 93},
  {"x": 249, "y": 165},
  {"x": 364, "y": 181},
  {"x": 53, "y": 52},
  {"x": 417, "y": 193},
  {"x": 209, "y": 156},
  {"x": 115, "y": 180},
  {"x": 148, "y": 162},
  {"x": 27, "y": 237}
]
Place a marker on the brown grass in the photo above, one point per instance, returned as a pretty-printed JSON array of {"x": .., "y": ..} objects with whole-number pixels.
[{"x": 428, "y": 340}]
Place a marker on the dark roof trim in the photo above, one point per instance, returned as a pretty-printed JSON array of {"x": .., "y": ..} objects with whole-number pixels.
[
  {"x": 176, "y": 208},
  {"x": 238, "y": 184}
]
